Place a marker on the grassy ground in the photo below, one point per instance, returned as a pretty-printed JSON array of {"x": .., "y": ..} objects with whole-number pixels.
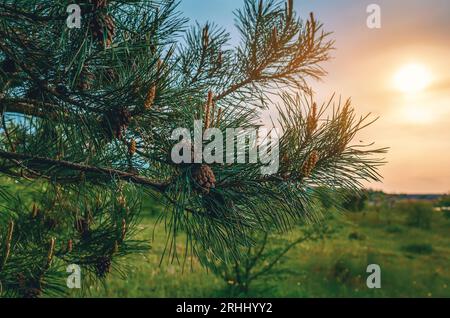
[{"x": 414, "y": 263}]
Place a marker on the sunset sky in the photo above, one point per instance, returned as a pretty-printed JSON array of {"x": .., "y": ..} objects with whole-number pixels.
[{"x": 399, "y": 72}]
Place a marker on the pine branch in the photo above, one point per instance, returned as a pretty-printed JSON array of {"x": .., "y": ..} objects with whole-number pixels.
[{"x": 109, "y": 173}]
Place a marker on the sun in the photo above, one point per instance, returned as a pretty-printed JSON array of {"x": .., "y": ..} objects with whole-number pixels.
[{"x": 412, "y": 78}]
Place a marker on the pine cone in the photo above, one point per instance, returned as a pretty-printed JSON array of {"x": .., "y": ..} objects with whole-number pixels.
[
  {"x": 110, "y": 75},
  {"x": 86, "y": 79},
  {"x": 103, "y": 29},
  {"x": 204, "y": 177},
  {"x": 310, "y": 163},
  {"x": 103, "y": 266},
  {"x": 116, "y": 121},
  {"x": 132, "y": 147}
]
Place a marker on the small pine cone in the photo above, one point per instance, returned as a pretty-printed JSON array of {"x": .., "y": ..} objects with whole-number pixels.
[
  {"x": 204, "y": 177},
  {"x": 103, "y": 29},
  {"x": 110, "y": 75},
  {"x": 116, "y": 121},
  {"x": 86, "y": 79},
  {"x": 310, "y": 163},
  {"x": 151, "y": 94},
  {"x": 132, "y": 147},
  {"x": 103, "y": 266}
]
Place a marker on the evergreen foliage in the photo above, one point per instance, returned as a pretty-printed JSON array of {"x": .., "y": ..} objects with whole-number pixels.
[{"x": 86, "y": 120}]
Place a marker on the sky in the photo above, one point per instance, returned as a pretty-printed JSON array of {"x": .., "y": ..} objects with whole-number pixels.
[{"x": 398, "y": 72}]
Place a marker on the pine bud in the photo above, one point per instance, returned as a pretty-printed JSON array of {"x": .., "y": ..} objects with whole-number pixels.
[
  {"x": 124, "y": 229},
  {"x": 311, "y": 122},
  {"x": 132, "y": 147},
  {"x": 151, "y": 94},
  {"x": 116, "y": 247},
  {"x": 289, "y": 9},
  {"x": 121, "y": 201},
  {"x": 69, "y": 246},
  {"x": 159, "y": 65},
  {"x": 34, "y": 211},
  {"x": 310, "y": 163},
  {"x": 311, "y": 29},
  {"x": 50, "y": 252},
  {"x": 205, "y": 36},
  {"x": 207, "y": 108},
  {"x": 8, "y": 243}
]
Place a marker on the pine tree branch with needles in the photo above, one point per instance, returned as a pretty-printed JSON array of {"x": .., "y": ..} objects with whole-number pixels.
[{"x": 87, "y": 117}]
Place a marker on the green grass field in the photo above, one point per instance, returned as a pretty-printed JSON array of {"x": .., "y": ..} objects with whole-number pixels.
[{"x": 414, "y": 263}]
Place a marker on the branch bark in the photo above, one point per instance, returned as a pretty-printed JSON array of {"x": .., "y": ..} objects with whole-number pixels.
[{"x": 85, "y": 168}]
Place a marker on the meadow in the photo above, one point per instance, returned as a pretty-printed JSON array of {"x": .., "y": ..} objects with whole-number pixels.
[{"x": 413, "y": 258}]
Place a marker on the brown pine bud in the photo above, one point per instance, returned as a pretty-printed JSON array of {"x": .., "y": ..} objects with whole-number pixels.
[
  {"x": 289, "y": 9},
  {"x": 121, "y": 201},
  {"x": 34, "y": 211},
  {"x": 50, "y": 252},
  {"x": 207, "y": 108},
  {"x": 132, "y": 147},
  {"x": 69, "y": 246},
  {"x": 205, "y": 36},
  {"x": 310, "y": 163},
  {"x": 311, "y": 121},
  {"x": 116, "y": 247},
  {"x": 159, "y": 65},
  {"x": 8, "y": 243},
  {"x": 124, "y": 229},
  {"x": 151, "y": 94}
]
